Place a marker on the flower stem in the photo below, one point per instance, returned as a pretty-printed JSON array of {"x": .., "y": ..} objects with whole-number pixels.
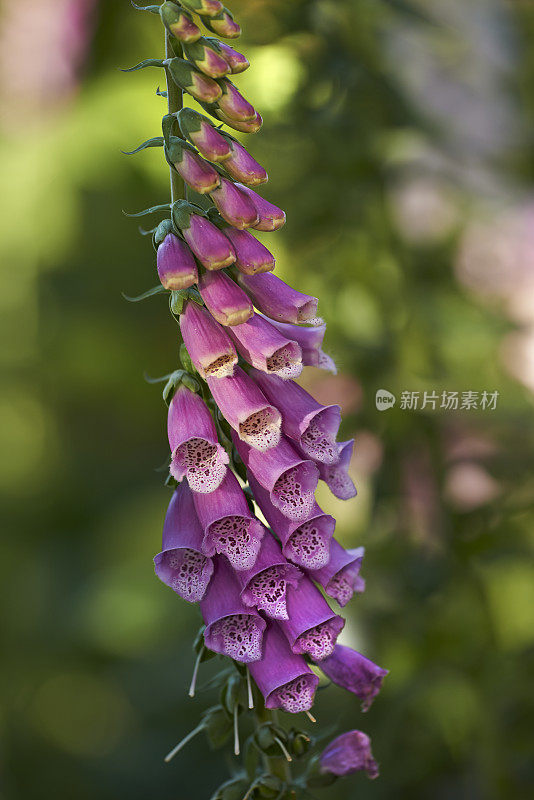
[
  {"x": 174, "y": 103},
  {"x": 274, "y": 765}
]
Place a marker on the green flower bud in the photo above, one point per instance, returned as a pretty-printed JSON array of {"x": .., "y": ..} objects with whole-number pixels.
[{"x": 179, "y": 23}]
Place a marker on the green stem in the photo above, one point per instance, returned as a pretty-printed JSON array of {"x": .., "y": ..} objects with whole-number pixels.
[{"x": 174, "y": 103}]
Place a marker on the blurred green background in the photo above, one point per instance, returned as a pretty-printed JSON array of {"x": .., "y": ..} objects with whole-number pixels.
[{"x": 398, "y": 137}]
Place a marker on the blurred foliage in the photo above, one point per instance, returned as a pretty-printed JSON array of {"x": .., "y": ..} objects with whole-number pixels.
[{"x": 391, "y": 128}]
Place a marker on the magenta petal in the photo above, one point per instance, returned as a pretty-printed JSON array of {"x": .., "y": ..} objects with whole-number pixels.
[
  {"x": 355, "y": 673},
  {"x": 196, "y": 452},
  {"x": 224, "y": 299},
  {"x": 229, "y": 527},
  {"x": 264, "y": 585},
  {"x": 278, "y": 300},
  {"x": 235, "y": 60},
  {"x": 312, "y": 427},
  {"x": 233, "y": 205},
  {"x": 252, "y": 256},
  {"x": 266, "y": 349},
  {"x": 208, "y": 243},
  {"x": 284, "y": 679},
  {"x": 271, "y": 218},
  {"x": 290, "y": 480},
  {"x": 208, "y": 344},
  {"x": 348, "y": 753},
  {"x": 336, "y": 475},
  {"x": 310, "y": 339},
  {"x": 246, "y": 409},
  {"x": 232, "y": 629},
  {"x": 233, "y": 104},
  {"x": 311, "y": 627},
  {"x": 340, "y": 578},
  {"x": 304, "y": 543},
  {"x": 181, "y": 563},
  {"x": 242, "y": 167},
  {"x": 196, "y": 172},
  {"x": 177, "y": 268}
]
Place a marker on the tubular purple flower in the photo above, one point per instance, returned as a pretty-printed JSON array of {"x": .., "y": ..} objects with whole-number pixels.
[
  {"x": 177, "y": 269},
  {"x": 196, "y": 172},
  {"x": 266, "y": 349},
  {"x": 196, "y": 452},
  {"x": 277, "y": 300},
  {"x": 209, "y": 245},
  {"x": 191, "y": 80},
  {"x": 271, "y": 218},
  {"x": 181, "y": 564},
  {"x": 290, "y": 481},
  {"x": 244, "y": 126},
  {"x": 336, "y": 475},
  {"x": 310, "y": 425},
  {"x": 200, "y": 132},
  {"x": 242, "y": 167},
  {"x": 246, "y": 410},
  {"x": 233, "y": 104},
  {"x": 233, "y": 205},
  {"x": 229, "y": 527},
  {"x": 211, "y": 351},
  {"x": 310, "y": 340},
  {"x": 311, "y": 627},
  {"x": 304, "y": 543},
  {"x": 284, "y": 679},
  {"x": 355, "y": 673},
  {"x": 205, "y": 56},
  {"x": 232, "y": 629},
  {"x": 265, "y": 584},
  {"x": 179, "y": 23},
  {"x": 340, "y": 578},
  {"x": 225, "y": 301},
  {"x": 236, "y": 60},
  {"x": 252, "y": 257},
  {"x": 223, "y": 24},
  {"x": 350, "y": 752}
]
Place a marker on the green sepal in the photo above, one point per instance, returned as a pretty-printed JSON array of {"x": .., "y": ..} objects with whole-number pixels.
[
  {"x": 217, "y": 725},
  {"x": 269, "y": 787},
  {"x": 175, "y": 148},
  {"x": 156, "y": 141},
  {"x": 181, "y": 211},
  {"x": 148, "y": 62},
  {"x": 151, "y": 210},
  {"x": 180, "y": 71},
  {"x": 176, "y": 378},
  {"x": 176, "y": 301},
  {"x": 265, "y": 738},
  {"x": 234, "y": 789},
  {"x": 164, "y": 228},
  {"x": 152, "y": 9},
  {"x": 170, "y": 482},
  {"x": 233, "y": 693},
  {"x": 298, "y": 743},
  {"x": 190, "y": 120},
  {"x": 167, "y": 123},
  {"x": 149, "y": 293},
  {"x": 185, "y": 359},
  {"x": 314, "y": 777}
]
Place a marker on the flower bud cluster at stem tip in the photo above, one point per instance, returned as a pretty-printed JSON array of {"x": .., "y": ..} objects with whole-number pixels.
[{"x": 244, "y": 537}]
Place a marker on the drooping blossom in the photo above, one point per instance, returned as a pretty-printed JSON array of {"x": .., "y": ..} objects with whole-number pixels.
[
  {"x": 268, "y": 350},
  {"x": 229, "y": 527},
  {"x": 182, "y": 564},
  {"x": 202, "y": 134},
  {"x": 350, "y": 752},
  {"x": 247, "y": 410},
  {"x": 195, "y": 450},
  {"x": 176, "y": 266},
  {"x": 234, "y": 206},
  {"x": 354, "y": 672},
  {"x": 232, "y": 629},
  {"x": 311, "y": 427},
  {"x": 277, "y": 300},
  {"x": 251, "y": 256},
  {"x": 242, "y": 167},
  {"x": 265, "y": 584},
  {"x": 290, "y": 480},
  {"x": 306, "y": 543},
  {"x": 270, "y": 217},
  {"x": 283, "y": 678},
  {"x": 224, "y": 299},
  {"x": 209, "y": 346},
  {"x": 340, "y": 577},
  {"x": 311, "y": 627},
  {"x": 212, "y": 248},
  {"x": 310, "y": 339}
]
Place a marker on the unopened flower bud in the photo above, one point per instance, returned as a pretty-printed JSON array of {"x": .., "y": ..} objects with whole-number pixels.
[
  {"x": 207, "y": 242},
  {"x": 209, "y": 8},
  {"x": 271, "y": 218},
  {"x": 224, "y": 299},
  {"x": 179, "y": 23},
  {"x": 243, "y": 167},
  {"x": 196, "y": 172},
  {"x": 244, "y": 126},
  {"x": 298, "y": 743},
  {"x": 236, "y": 60},
  {"x": 252, "y": 257},
  {"x": 348, "y": 753},
  {"x": 277, "y": 300},
  {"x": 191, "y": 80},
  {"x": 205, "y": 57},
  {"x": 199, "y": 131},
  {"x": 233, "y": 205},
  {"x": 177, "y": 268},
  {"x": 233, "y": 104},
  {"x": 223, "y": 24}
]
